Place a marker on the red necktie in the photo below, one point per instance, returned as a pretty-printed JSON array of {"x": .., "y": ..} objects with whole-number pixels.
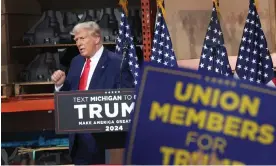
[{"x": 84, "y": 76}]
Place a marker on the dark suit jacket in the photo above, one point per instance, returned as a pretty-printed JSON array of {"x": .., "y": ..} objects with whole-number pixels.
[{"x": 107, "y": 75}]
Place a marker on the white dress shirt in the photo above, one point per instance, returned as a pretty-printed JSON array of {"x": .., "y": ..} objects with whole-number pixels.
[{"x": 93, "y": 64}]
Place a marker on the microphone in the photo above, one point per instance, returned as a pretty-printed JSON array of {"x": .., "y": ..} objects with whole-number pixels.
[{"x": 122, "y": 62}]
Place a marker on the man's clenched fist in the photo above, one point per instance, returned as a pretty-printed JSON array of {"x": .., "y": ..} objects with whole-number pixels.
[{"x": 58, "y": 77}]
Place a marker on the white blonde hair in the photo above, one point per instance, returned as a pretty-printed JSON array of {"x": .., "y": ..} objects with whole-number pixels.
[{"x": 91, "y": 26}]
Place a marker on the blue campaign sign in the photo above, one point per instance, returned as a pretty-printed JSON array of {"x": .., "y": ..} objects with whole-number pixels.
[{"x": 179, "y": 112}]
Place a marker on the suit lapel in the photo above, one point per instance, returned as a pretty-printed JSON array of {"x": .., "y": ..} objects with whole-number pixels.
[{"x": 100, "y": 68}]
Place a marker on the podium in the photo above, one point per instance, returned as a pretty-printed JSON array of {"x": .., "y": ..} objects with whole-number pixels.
[{"x": 103, "y": 113}]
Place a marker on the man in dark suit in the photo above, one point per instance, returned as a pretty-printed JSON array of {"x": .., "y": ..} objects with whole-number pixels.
[{"x": 94, "y": 68}]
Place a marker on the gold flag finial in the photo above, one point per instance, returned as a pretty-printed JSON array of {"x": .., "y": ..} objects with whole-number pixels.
[
  {"x": 217, "y": 6},
  {"x": 256, "y": 2},
  {"x": 160, "y": 5},
  {"x": 124, "y": 4}
]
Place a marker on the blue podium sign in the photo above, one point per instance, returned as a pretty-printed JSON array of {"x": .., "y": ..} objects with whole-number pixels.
[{"x": 179, "y": 112}]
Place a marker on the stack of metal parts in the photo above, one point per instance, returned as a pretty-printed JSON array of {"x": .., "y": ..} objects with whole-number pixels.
[
  {"x": 54, "y": 28},
  {"x": 42, "y": 146},
  {"x": 42, "y": 67}
]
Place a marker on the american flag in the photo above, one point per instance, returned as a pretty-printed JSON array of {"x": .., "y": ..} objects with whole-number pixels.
[
  {"x": 162, "y": 51},
  {"x": 254, "y": 62},
  {"x": 214, "y": 57},
  {"x": 125, "y": 46}
]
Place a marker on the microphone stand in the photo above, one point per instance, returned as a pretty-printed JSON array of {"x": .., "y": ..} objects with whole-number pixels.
[{"x": 121, "y": 67}]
